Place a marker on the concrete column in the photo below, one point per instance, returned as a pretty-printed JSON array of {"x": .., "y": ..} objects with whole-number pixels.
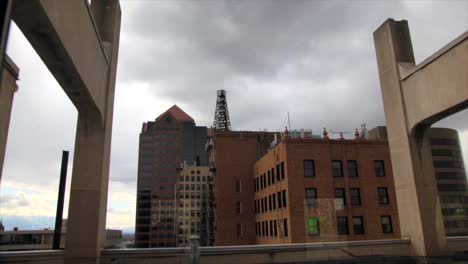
[
  {"x": 416, "y": 189},
  {"x": 89, "y": 187},
  {"x": 8, "y": 88}
]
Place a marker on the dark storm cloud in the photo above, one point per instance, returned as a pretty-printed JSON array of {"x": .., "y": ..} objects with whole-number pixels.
[{"x": 314, "y": 59}]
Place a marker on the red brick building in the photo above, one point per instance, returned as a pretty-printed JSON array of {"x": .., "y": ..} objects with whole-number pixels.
[
  {"x": 301, "y": 190},
  {"x": 311, "y": 190}
]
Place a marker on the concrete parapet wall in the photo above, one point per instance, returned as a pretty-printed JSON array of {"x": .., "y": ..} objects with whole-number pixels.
[{"x": 329, "y": 251}]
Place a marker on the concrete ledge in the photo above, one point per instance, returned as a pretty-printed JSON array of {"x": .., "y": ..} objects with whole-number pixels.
[
  {"x": 406, "y": 70},
  {"x": 33, "y": 256}
]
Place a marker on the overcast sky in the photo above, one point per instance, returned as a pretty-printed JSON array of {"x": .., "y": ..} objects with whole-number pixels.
[{"x": 313, "y": 59}]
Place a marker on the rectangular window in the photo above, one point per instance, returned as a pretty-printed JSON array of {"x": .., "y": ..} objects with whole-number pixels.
[
  {"x": 285, "y": 223},
  {"x": 309, "y": 168},
  {"x": 383, "y": 195},
  {"x": 280, "y": 201},
  {"x": 269, "y": 175},
  {"x": 355, "y": 196},
  {"x": 269, "y": 180},
  {"x": 262, "y": 228},
  {"x": 264, "y": 181},
  {"x": 278, "y": 176},
  {"x": 340, "y": 198},
  {"x": 278, "y": 173},
  {"x": 386, "y": 221},
  {"x": 313, "y": 227},
  {"x": 353, "y": 168},
  {"x": 282, "y": 170},
  {"x": 238, "y": 186},
  {"x": 275, "y": 226},
  {"x": 358, "y": 225},
  {"x": 261, "y": 205},
  {"x": 238, "y": 207},
  {"x": 337, "y": 168},
  {"x": 379, "y": 167},
  {"x": 342, "y": 224},
  {"x": 271, "y": 228},
  {"x": 255, "y": 206},
  {"x": 284, "y": 198},
  {"x": 266, "y": 229},
  {"x": 239, "y": 230},
  {"x": 311, "y": 197},
  {"x": 270, "y": 207},
  {"x": 258, "y": 184},
  {"x": 274, "y": 201},
  {"x": 255, "y": 185},
  {"x": 273, "y": 179}
]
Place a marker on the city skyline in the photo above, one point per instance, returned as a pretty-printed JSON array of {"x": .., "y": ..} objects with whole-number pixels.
[{"x": 32, "y": 166}]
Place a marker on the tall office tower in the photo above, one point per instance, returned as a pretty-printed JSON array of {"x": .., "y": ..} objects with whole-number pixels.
[
  {"x": 221, "y": 120},
  {"x": 164, "y": 144},
  {"x": 194, "y": 205},
  {"x": 451, "y": 179},
  {"x": 450, "y": 175}
]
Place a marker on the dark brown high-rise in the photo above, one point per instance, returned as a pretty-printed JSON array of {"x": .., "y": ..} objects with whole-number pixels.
[{"x": 164, "y": 144}]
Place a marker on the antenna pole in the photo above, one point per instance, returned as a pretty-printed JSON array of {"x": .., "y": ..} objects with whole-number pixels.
[{"x": 289, "y": 123}]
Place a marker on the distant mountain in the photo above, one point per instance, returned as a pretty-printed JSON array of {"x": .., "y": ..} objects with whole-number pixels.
[
  {"x": 27, "y": 222},
  {"x": 38, "y": 223}
]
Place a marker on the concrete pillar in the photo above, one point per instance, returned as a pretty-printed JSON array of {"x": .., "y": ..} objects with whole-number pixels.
[
  {"x": 415, "y": 184},
  {"x": 8, "y": 88},
  {"x": 88, "y": 194}
]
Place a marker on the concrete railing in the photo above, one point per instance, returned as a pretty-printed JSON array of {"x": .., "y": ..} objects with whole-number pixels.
[{"x": 375, "y": 249}]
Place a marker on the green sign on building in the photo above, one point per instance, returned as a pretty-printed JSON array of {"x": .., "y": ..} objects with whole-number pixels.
[{"x": 313, "y": 226}]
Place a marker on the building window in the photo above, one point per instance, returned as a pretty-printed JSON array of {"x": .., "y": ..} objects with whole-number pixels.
[
  {"x": 269, "y": 180},
  {"x": 266, "y": 229},
  {"x": 285, "y": 223},
  {"x": 261, "y": 205},
  {"x": 274, "y": 201},
  {"x": 353, "y": 168},
  {"x": 311, "y": 197},
  {"x": 284, "y": 198},
  {"x": 313, "y": 227},
  {"x": 271, "y": 228},
  {"x": 255, "y": 185},
  {"x": 264, "y": 181},
  {"x": 280, "y": 201},
  {"x": 238, "y": 186},
  {"x": 278, "y": 176},
  {"x": 342, "y": 224},
  {"x": 337, "y": 168},
  {"x": 269, "y": 175},
  {"x": 255, "y": 206},
  {"x": 270, "y": 207},
  {"x": 358, "y": 225},
  {"x": 386, "y": 222},
  {"x": 379, "y": 167},
  {"x": 239, "y": 230},
  {"x": 238, "y": 207},
  {"x": 278, "y": 172},
  {"x": 309, "y": 168},
  {"x": 275, "y": 228},
  {"x": 355, "y": 196},
  {"x": 282, "y": 170},
  {"x": 256, "y": 228},
  {"x": 383, "y": 195},
  {"x": 340, "y": 198}
]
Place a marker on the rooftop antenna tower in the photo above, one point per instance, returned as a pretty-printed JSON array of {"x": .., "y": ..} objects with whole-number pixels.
[{"x": 221, "y": 119}]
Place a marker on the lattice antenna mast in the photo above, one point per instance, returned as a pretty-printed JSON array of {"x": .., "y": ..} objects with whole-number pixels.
[{"x": 221, "y": 119}]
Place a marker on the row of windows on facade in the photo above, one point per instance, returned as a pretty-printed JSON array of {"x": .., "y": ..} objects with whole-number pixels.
[
  {"x": 193, "y": 187},
  {"x": 191, "y": 203},
  {"x": 340, "y": 196},
  {"x": 457, "y": 223},
  {"x": 446, "y": 153},
  {"x": 193, "y": 195},
  {"x": 337, "y": 168},
  {"x": 449, "y": 164},
  {"x": 270, "y": 228},
  {"x": 270, "y": 177},
  {"x": 194, "y": 178},
  {"x": 272, "y": 202}
]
